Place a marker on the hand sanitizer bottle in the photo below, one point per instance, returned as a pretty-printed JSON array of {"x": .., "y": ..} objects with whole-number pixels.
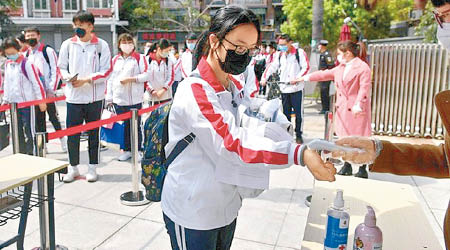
[
  {"x": 337, "y": 225},
  {"x": 367, "y": 235}
]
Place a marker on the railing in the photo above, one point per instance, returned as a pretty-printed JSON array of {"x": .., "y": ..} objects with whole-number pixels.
[{"x": 406, "y": 77}]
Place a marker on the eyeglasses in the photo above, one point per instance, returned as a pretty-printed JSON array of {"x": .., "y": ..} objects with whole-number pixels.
[
  {"x": 439, "y": 17},
  {"x": 241, "y": 50}
]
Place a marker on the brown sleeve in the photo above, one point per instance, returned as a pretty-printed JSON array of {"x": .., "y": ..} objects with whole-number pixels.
[{"x": 407, "y": 159}]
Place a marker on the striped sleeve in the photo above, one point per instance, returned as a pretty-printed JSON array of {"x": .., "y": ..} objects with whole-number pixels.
[
  {"x": 105, "y": 68},
  {"x": 220, "y": 137},
  {"x": 36, "y": 83}
]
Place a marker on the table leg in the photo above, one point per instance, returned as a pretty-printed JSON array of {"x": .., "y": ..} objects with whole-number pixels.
[
  {"x": 24, "y": 215},
  {"x": 51, "y": 210}
]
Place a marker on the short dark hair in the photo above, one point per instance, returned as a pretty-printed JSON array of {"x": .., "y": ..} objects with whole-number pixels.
[
  {"x": 286, "y": 37},
  {"x": 32, "y": 29},
  {"x": 439, "y": 3},
  {"x": 21, "y": 37},
  {"x": 191, "y": 36},
  {"x": 273, "y": 45},
  {"x": 83, "y": 16},
  {"x": 11, "y": 42}
]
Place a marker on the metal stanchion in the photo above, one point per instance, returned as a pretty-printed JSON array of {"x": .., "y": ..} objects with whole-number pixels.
[
  {"x": 14, "y": 128},
  {"x": 134, "y": 197},
  {"x": 39, "y": 149}
]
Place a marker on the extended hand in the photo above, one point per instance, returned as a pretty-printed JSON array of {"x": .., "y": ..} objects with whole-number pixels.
[
  {"x": 322, "y": 171},
  {"x": 160, "y": 93},
  {"x": 263, "y": 83},
  {"x": 368, "y": 156}
]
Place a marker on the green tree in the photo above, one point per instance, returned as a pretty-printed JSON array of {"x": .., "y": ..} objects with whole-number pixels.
[
  {"x": 427, "y": 26},
  {"x": 5, "y": 21},
  {"x": 140, "y": 14},
  {"x": 374, "y": 24}
]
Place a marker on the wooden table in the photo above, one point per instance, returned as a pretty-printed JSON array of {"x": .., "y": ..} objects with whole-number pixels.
[
  {"x": 399, "y": 214},
  {"x": 21, "y": 170}
]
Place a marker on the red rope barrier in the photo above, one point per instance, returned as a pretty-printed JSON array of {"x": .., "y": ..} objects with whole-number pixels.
[
  {"x": 32, "y": 103},
  {"x": 92, "y": 125}
]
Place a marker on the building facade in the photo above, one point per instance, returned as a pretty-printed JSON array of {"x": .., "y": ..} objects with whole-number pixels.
[
  {"x": 269, "y": 12},
  {"x": 54, "y": 18}
]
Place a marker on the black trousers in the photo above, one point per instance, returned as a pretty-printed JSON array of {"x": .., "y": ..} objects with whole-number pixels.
[
  {"x": 41, "y": 124},
  {"x": 77, "y": 114},
  {"x": 325, "y": 95},
  {"x": 294, "y": 101},
  {"x": 24, "y": 131}
]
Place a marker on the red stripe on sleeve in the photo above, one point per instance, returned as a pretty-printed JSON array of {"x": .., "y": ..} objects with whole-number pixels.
[
  {"x": 38, "y": 81},
  {"x": 106, "y": 74},
  {"x": 307, "y": 63},
  {"x": 233, "y": 145}
]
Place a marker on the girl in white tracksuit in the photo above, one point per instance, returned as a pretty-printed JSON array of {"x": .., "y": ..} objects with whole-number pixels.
[
  {"x": 199, "y": 200},
  {"x": 160, "y": 74},
  {"x": 22, "y": 84},
  {"x": 124, "y": 89}
]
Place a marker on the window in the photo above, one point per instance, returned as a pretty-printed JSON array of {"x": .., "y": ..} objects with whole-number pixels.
[
  {"x": 101, "y": 4},
  {"x": 41, "y": 8},
  {"x": 70, "y": 8},
  {"x": 70, "y": 5}
]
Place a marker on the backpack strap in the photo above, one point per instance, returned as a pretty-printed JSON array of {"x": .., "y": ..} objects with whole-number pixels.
[
  {"x": 23, "y": 68},
  {"x": 179, "y": 147},
  {"x": 45, "y": 54}
]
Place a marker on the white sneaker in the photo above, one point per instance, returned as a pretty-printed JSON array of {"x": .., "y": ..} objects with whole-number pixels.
[
  {"x": 72, "y": 172},
  {"x": 63, "y": 144},
  {"x": 125, "y": 156},
  {"x": 91, "y": 175}
]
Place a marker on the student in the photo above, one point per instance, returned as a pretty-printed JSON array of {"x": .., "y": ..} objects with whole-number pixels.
[
  {"x": 124, "y": 89},
  {"x": 186, "y": 57},
  {"x": 292, "y": 63},
  {"x": 176, "y": 61},
  {"x": 199, "y": 211},
  {"x": 20, "y": 38},
  {"x": 45, "y": 59},
  {"x": 85, "y": 63},
  {"x": 161, "y": 72},
  {"x": 22, "y": 84}
]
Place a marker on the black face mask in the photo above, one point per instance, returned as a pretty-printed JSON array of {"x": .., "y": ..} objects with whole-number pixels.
[
  {"x": 234, "y": 64},
  {"x": 80, "y": 32},
  {"x": 32, "y": 41}
]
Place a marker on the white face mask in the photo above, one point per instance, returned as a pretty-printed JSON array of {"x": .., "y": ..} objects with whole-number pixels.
[
  {"x": 340, "y": 58},
  {"x": 127, "y": 48},
  {"x": 443, "y": 35},
  {"x": 268, "y": 50}
]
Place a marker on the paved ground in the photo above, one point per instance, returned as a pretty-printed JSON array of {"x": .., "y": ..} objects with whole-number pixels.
[{"x": 90, "y": 216}]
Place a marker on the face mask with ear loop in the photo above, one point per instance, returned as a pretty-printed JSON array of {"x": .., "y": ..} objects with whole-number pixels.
[{"x": 234, "y": 63}]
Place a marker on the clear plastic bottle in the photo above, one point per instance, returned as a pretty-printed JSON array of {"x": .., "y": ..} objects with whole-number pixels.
[{"x": 337, "y": 225}]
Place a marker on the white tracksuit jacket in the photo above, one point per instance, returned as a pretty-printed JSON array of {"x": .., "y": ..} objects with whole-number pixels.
[
  {"x": 50, "y": 72},
  {"x": 192, "y": 197},
  {"x": 159, "y": 75},
  {"x": 131, "y": 93},
  {"x": 186, "y": 63},
  {"x": 289, "y": 69},
  {"x": 17, "y": 87},
  {"x": 74, "y": 58}
]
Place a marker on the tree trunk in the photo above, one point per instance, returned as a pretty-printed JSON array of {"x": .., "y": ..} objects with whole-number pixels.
[{"x": 317, "y": 22}]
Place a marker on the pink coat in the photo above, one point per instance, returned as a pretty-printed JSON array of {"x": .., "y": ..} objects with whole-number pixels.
[{"x": 355, "y": 88}]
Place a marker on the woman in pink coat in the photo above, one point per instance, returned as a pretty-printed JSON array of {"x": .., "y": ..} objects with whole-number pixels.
[{"x": 353, "y": 83}]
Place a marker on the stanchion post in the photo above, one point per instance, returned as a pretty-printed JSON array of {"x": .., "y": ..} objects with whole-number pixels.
[
  {"x": 14, "y": 127},
  {"x": 134, "y": 197},
  {"x": 39, "y": 150}
]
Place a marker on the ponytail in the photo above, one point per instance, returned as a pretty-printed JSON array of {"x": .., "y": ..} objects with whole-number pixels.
[{"x": 201, "y": 49}]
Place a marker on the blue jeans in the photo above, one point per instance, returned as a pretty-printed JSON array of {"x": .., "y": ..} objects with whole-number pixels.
[
  {"x": 127, "y": 138},
  {"x": 189, "y": 239},
  {"x": 294, "y": 101}
]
